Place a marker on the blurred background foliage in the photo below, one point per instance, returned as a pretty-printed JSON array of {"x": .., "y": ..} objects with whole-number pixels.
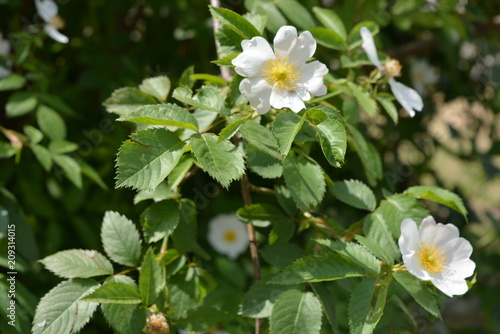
[{"x": 454, "y": 142}]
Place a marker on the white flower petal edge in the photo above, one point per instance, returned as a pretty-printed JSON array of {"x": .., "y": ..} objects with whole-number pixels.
[
  {"x": 408, "y": 97},
  {"x": 4, "y": 50},
  {"x": 436, "y": 253},
  {"x": 369, "y": 47},
  {"x": 55, "y": 34},
  {"x": 47, "y": 9},
  {"x": 228, "y": 235},
  {"x": 280, "y": 78}
]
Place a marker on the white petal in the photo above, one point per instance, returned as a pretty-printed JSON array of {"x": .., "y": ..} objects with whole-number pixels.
[
  {"x": 457, "y": 251},
  {"x": 298, "y": 48},
  {"x": 409, "y": 241},
  {"x": 369, "y": 47},
  {"x": 258, "y": 93},
  {"x": 256, "y": 52},
  {"x": 55, "y": 34},
  {"x": 47, "y": 9},
  {"x": 412, "y": 263},
  {"x": 4, "y": 46},
  {"x": 311, "y": 75},
  {"x": 439, "y": 234},
  {"x": 4, "y": 72},
  {"x": 407, "y": 97},
  {"x": 293, "y": 99},
  {"x": 451, "y": 287}
]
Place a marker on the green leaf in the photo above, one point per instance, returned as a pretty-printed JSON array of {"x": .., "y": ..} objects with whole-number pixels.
[
  {"x": 34, "y": 135},
  {"x": 304, "y": 178},
  {"x": 159, "y": 220},
  {"x": 281, "y": 255},
  {"x": 70, "y": 167},
  {"x": 355, "y": 39},
  {"x": 285, "y": 127},
  {"x": 327, "y": 301},
  {"x": 227, "y": 60},
  {"x": 92, "y": 174},
  {"x": 61, "y": 310},
  {"x": 296, "y": 312},
  {"x": 355, "y": 252},
  {"x": 146, "y": 160},
  {"x": 261, "y": 215},
  {"x": 221, "y": 160},
  {"x": 185, "y": 79},
  {"x": 185, "y": 234},
  {"x": 370, "y": 159},
  {"x": 263, "y": 164},
  {"x": 385, "y": 101},
  {"x": 420, "y": 291},
  {"x": 236, "y": 22},
  {"x": 43, "y": 156},
  {"x": 399, "y": 207},
  {"x": 366, "y": 306},
  {"x": 126, "y": 100},
  {"x": 115, "y": 293},
  {"x": 296, "y": 13},
  {"x": 20, "y": 103},
  {"x": 62, "y": 146},
  {"x": 12, "y": 81},
  {"x": 231, "y": 129},
  {"x": 333, "y": 140},
  {"x": 328, "y": 38},
  {"x": 209, "y": 79},
  {"x": 78, "y": 263},
  {"x": 162, "y": 114},
  {"x": 150, "y": 278},
  {"x": 184, "y": 95},
  {"x": 186, "y": 291},
  {"x": 120, "y": 239},
  {"x": 271, "y": 11},
  {"x": 354, "y": 193},
  {"x": 364, "y": 99},
  {"x": 259, "y": 300},
  {"x": 376, "y": 230},
  {"x": 439, "y": 195},
  {"x": 156, "y": 86},
  {"x": 261, "y": 138},
  {"x": 317, "y": 268},
  {"x": 374, "y": 248},
  {"x": 125, "y": 319},
  {"x": 50, "y": 123},
  {"x": 179, "y": 172},
  {"x": 331, "y": 20}
]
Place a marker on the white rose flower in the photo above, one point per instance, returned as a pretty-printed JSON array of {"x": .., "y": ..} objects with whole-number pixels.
[
  {"x": 47, "y": 9},
  {"x": 228, "y": 235},
  {"x": 435, "y": 252},
  {"x": 409, "y": 99},
  {"x": 4, "y": 50},
  {"x": 281, "y": 78}
]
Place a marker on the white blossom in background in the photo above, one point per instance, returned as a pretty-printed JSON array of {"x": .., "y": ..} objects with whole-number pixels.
[
  {"x": 422, "y": 74},
  {"x": 280, "y": 78},
  {"x": 4, "y": 50},
  {"x": 228, "y": 235},
  {"x": 47, "y": 9},
  {"x": 435, "y": 252},
  {"x": 408, "y": 97}
]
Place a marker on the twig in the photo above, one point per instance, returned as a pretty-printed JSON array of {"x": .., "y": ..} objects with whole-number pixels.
[
  {"x": 262, "y": 190},
  {"x": 224, "y": 71},
  {"x": 247, "y": 200}
]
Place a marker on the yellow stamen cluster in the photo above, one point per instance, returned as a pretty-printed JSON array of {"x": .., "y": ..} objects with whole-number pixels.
[
  {"x": 281, "y": 73},
  {"x": 57, "y": 22},
  {"x": 229, "y": 236},
  {"x": 432, "y": 258},
  {"x": 393, "y": 67}
]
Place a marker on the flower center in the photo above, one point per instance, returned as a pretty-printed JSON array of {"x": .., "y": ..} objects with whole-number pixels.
[
  {"x": 229, "y": 236},
  {"x": 432, "y": 258},
  {"x": 57, "y": 22},
  {"x": 393, "y": 67},
  {"x": 281, "y": 73}
]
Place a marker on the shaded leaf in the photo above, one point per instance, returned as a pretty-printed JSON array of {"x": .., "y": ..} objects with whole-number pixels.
[
  {"x": 150, "y": 278},
  {"x": 127, "y": 99},
  {"x": 160, "y": 219},
  {"x": 330, "y": 20}
]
